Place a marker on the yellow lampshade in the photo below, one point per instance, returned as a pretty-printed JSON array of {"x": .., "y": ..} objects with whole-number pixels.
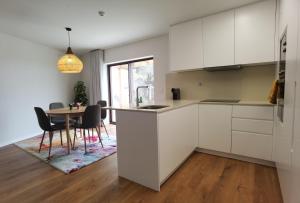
[{"x": 69, "y": 63}]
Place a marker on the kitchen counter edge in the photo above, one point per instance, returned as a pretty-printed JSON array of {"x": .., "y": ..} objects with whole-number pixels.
[{"x": 182, "y": 103}]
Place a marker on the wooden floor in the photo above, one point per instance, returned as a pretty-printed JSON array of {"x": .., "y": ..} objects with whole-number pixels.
[{"x": 202, "y": 178}]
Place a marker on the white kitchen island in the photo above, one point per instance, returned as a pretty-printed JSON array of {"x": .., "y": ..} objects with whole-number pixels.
[{"x": 152, "y": 144}]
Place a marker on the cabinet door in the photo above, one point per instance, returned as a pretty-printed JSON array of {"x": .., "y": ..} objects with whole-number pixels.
[
  {"x": 186, "y": 46},
  {"x": 218, "y": 39},
  {"x": 215, "y": 127},
  {"x": 253, "y": 112},
  {"x": 252, "y": 145},
  {"x": 255, "y": 33},
  {"x": 177, "y": 138},
  {"x": 252, "y": 125}
]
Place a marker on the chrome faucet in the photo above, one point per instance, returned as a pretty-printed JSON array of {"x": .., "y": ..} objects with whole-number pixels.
[{"x": 137, "y": 95}]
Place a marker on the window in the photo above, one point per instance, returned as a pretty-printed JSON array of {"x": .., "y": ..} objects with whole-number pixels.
[{"x": 125, "y": 77}]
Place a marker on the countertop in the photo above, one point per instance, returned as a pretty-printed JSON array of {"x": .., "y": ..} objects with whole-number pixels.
[
  {"x": 181, "y": 103},
  {"x": 170, "y": 103},
  {"x": 242, "y": 102}
]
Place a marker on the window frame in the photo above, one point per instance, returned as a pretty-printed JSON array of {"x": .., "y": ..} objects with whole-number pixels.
[{"x": 128, "y": 62}]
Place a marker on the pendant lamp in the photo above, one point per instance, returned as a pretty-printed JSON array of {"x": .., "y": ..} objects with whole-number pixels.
[{"x": 69, "y": 63}]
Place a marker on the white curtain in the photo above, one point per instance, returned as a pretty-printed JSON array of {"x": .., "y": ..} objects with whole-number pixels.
[{"x": 93, "y": 63}]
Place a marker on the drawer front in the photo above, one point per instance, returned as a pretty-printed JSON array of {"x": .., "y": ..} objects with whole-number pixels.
[
  {"x": 253, "y": 126},
  {"x": 254, "y": 112},
  {"x": 252, "y": 145}
]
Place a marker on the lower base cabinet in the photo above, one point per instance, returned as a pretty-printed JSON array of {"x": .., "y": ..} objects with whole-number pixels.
[
  {"x": 245, "y": 130},
  {"x": 252, "y": 131},
  {"x": 177, "y": 138},
  {"x": 252, "y": 145},
  {"x": 215, "y": 127}
]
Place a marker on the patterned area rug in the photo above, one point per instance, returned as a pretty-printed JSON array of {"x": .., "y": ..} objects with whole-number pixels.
[{"x": 77, "y": 159}]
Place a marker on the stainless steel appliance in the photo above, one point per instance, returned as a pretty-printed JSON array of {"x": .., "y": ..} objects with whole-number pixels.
[
  {"x": 223, "y": 68},
  {"x": 281, "y": 77}
]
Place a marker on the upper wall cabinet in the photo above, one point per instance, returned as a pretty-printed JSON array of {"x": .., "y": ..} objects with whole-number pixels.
[
  {"x": 255, "y": 33},
  {"x": 218, "y": 39},
  {"x": 245, "y": 35},
  {"x": 186, "y": 48}
]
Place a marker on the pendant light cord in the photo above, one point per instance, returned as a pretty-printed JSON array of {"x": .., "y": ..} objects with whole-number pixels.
[
  {"x": 69, "y": 50},
  {"x": 69, "y": 37},
  {"x": 68, "y": 29}
]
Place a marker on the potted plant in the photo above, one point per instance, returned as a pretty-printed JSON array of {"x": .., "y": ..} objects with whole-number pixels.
[{"x": 80, "y": 93}]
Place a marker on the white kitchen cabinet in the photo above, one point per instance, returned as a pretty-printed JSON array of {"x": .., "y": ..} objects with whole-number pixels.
[
  {"x": 245, "y": 130},
  {"x": 252, "y": 145},
  {"x": 218, "y": 39},
  {"x": 186, "y": 46},
  {"x": 177, "y": 138},
  {"x": 138, "y": 147},
  {"x": 253, "y": 112},
  {"x": 252, "y": 131},
  {"x": 215, "y": 127},
  {"x": 255, "y": 33},
  {"x": 252, "y": 125},
  {"x": 153, "y": 144},
  {"x": 245, "y": 35}
]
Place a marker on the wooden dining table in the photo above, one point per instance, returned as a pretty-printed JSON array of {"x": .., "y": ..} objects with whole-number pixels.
[{"x": 67, "y": 114}]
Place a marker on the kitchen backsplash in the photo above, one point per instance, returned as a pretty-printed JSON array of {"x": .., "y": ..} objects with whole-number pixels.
[{"x": 249, "y": 83}]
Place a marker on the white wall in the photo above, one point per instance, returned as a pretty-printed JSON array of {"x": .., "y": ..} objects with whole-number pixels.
[
  {"x": 28, "y": 78},
  {"x": 249, "y": 84},
  {"x": 156, "y": 47},
  {"x": 85, "y": 74}
]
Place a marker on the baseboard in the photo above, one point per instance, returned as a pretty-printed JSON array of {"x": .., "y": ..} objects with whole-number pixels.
[
  {"x": 3, "y": 144},
  {"x": 238, "y": 157}
]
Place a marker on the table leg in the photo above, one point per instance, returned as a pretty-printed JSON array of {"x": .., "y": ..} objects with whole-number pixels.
[
  {"x": 67, "y": 118},
  {"x": 80, "y": 121}
]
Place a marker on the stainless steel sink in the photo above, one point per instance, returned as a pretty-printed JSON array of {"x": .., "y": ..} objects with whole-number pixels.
[
  {"x": 153, "y": 107},
  {"x": 221, "y": 100}
]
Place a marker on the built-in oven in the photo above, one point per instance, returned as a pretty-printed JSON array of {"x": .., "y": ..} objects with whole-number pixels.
[{"x": 281, "y": 77}]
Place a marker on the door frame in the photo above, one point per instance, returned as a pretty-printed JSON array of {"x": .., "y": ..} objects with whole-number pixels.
[{"x": 129, "y": 79}]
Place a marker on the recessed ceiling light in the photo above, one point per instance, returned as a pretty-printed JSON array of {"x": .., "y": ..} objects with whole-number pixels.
[{"x": 101, "y": 13}]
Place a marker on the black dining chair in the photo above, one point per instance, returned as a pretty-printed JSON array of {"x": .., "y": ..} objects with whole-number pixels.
[
  {"x": 103, "y": 103},
  {"x": 90, "y": 120},
  {"x": 57, "y": 120},
  {"x": 45, "y": 125},
  {"x": 60, "y": 120}
]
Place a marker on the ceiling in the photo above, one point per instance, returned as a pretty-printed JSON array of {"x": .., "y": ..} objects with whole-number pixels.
[{"x": 125, "y": 21}]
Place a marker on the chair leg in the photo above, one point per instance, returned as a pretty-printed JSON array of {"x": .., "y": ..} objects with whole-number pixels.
[
  {"x": 99, "y": 136},
  {"x": 84, "y": 141},
  {"x": 89, "y": 135},
  {"x": 50, "y": 140},
  {"x": 76, "y": 135},
  {"x": 74, "y": 138},
  {"x": 42, "y": 141},
  {"x": 60, "y": 133},
  {"x": 105, "y": 128},
  {"x": 70, "y": 140}
]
